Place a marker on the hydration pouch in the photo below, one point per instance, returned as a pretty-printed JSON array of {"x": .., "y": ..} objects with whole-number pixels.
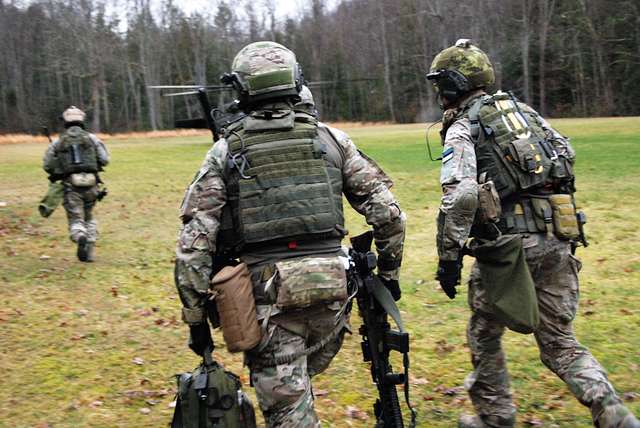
[
  {"x": 233, "y": 294},
  {"x": 489, "y": 207},
  {"x": 505, "y": 275},
  {"x": 83, "y": 179},
  {"x": 210, "y": 397},
  {"x": 309, "y": 281},
  {"x": 564, "y": 217}
]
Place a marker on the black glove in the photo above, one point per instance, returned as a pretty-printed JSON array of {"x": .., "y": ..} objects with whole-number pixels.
[
  {"x": 200, "y": 338},
  {"x": 449, "y": 273},
  {"x": 393, "y": 286}
]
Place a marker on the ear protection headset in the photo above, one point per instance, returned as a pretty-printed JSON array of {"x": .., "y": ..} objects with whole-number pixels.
[{"x": 451, "y": 84}]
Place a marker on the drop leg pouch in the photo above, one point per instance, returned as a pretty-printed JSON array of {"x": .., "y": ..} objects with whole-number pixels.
[
  {"x": 506, "y": 278},
  {"x": 233, "y": 292}
]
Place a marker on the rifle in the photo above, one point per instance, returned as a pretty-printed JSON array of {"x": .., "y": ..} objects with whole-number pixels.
[
  {"x": 214, "y": 119},
  {"x": 45, "y": 132},
  {"x": 375, "y": 303}
]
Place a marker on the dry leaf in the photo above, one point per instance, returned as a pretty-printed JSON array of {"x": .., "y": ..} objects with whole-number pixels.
[
  {"x": 354, "y": 413},
  {"x": 138, "y": 361},
  {"x": 145, "y": 410}
]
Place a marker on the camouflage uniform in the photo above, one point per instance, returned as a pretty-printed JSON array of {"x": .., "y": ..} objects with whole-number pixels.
[
  {"x": 78, "y": 201},
  {"x": 555, "y": 273},
  {"x": 284, "y": 390}
]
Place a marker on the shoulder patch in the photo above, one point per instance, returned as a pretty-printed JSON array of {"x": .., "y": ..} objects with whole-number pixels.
[{"x": 447, "y": 155}]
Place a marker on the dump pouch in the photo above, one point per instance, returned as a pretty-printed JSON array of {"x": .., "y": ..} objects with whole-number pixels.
[
  {"x": 310, "y": 281},
  {"x": 211, "y": 397},
  {"x": 506, "y": 278},
  {"x": 52, "y": 199},
  {"x": 83, "y": 179},
  {"x": 233, "y": 293},
  {"x": 564, "y": 216}
]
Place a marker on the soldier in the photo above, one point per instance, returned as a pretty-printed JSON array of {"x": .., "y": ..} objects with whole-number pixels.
[
  {"x": 75, "y": 159},
  {"x": 500, "y": 155},
  {"x": 270, "y": 194}
]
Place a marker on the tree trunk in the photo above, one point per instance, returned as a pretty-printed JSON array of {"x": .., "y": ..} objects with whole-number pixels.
[{"x": 386, "y": 60}]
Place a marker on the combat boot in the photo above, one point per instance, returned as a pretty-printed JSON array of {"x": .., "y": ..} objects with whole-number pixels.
[
  {"x": 617, "y": 416},
  {"x": 82, "y": 248},
  {"x": 470, "y": 421},
  {"x": 91, "y": 251}
]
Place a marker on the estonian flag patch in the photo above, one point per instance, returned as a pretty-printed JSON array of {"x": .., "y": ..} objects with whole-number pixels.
[{"x": 447, "y": 155}]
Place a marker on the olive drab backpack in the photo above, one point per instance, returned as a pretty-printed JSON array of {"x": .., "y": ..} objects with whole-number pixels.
[
  {"x": 76, "y": 152},
  {"x": 512, "y": 148},
  {"x": 211, "y": 397}
]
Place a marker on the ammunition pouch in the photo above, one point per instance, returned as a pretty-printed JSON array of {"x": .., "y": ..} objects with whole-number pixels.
[
  {"x": 565, "y": 221},
  {"x": 83, "y": 179},
  {"x": 307, "y": 282},
  {"x": 233, "y": 294},
  {"x": 211, "y": 397}
]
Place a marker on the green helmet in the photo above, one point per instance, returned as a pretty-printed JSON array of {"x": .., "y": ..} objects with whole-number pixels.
[
  {"x": 467, "y": 60},
  {"x": 265, "y": 70}
]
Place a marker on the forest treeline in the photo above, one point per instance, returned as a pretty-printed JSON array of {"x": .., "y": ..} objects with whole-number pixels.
[{"x": 565, "y": 57}]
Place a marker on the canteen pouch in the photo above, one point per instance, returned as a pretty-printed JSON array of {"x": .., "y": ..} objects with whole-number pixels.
[
  {"x": 309, "y": 281},
  {"x": 489, "y": 207},
  {"x": 52, "y": 199},
  {"x": 506, "y": 278},
  {"x": 564, "y": 216},
  {"x": 211, "y": 397},
  {"x": 83, "y": 179},
  {"x": 233, "y": 295}
]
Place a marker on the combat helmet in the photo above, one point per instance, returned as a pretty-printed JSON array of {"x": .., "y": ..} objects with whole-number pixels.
[
  {"x": 263, "y": 71},
  {"x": 459, "y": 69},
  {"x": 73, "y": 114}
]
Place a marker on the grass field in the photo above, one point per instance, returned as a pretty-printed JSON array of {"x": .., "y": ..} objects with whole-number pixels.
[{"x": 97, "y": 345}]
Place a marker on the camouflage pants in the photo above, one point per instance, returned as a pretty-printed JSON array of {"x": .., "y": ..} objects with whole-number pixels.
[
  {"x": 78, "y": 203},
  {"x": 555, "y": 273},
  {"x": 284, "y": 391}
]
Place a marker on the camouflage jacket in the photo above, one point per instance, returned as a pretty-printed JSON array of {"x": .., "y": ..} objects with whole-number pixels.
[
  {"x": 458, "y": 176},
  {"x": 365, "y": 186},
  {"x": 50, "y": 162}
]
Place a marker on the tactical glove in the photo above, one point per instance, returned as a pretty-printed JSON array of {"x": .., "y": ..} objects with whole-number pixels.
[
  {"x": 200, "y": 338},
  {"x": 449, "y": 274},
  {"x": 393, "y": 286}
]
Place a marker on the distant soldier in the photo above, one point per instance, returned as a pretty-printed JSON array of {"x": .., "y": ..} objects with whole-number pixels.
[
  {"x": 507, "y": 179},
  {"x": 75, "y": 159},
  {"x": 270, "y": 195}
]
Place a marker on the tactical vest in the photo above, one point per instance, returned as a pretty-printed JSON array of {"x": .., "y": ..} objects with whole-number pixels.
[
  {"x": 76, "y": 152},
  {"x": 513, "y": 151},
  {"x": 280, "y": 187}
]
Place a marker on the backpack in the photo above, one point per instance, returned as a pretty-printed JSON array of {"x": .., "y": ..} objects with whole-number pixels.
[
  {"x": 76, "y": 152},
  {"x": 211, "y": 397}
]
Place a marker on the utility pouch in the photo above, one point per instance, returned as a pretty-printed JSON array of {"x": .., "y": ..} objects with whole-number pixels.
[
  {"x": 525, "y": 153},
  {"x": 233, "y": 294},
  {"x": 83, "y": 179},
  {"x": 211, "y": 397},
  {"x": 310, "y": 281},
  {"x": 510, "y": 289},
  {"x": 489, "y": 207},
  {"x": 542, "y": 214},
  {"x": 564, "y": 217}
]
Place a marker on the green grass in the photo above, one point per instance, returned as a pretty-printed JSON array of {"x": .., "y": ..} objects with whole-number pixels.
[{"x": 70, "y": 331}]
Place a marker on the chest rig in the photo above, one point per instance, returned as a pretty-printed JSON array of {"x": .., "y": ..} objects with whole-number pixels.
[
  {"x": 280, "y": 187},
  {"x": 514, "y": 152}
]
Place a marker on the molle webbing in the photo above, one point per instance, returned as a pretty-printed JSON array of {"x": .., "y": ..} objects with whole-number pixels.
[
  {"x": 286, "y": 190},
  {"x": 76, "y": 152}
]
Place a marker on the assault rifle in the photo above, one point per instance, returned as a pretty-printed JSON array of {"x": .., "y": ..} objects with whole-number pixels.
[{"x": 375, "y": 304}]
